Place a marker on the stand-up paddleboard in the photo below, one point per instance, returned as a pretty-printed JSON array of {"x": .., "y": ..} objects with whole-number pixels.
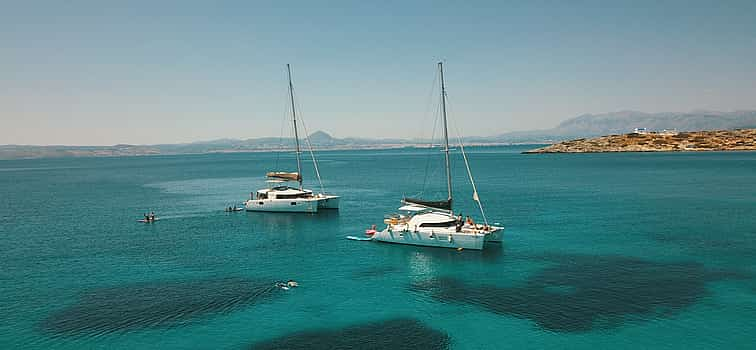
[{"x": 359, "y": 238}]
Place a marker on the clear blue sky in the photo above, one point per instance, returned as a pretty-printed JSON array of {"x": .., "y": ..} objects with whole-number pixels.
[{"x": 96, "y": 72}]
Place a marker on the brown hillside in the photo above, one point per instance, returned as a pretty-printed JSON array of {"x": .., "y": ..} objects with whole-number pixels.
[{"x": 718, "y": 140}]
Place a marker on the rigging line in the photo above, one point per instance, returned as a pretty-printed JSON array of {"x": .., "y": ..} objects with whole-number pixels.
[
  {"x": 436, "y": 116},
  {"x": 283, "y": 124},
  {"x": 431, "y": 149},
  {"x": 314, "y": 161},
  {"x": 309, "y": 143},
  {"x": 429, "y": 101},
  {"x": 309, "y": 146},
  {"x": 424, "y": 119},
  {"x": 294, "y": 120},
  {"x": 476, "y": 196}
]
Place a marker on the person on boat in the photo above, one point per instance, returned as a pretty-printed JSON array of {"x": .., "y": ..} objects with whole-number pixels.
[
  {"x": 152, "y": 216},
  {"x": 146, "y": 217}
]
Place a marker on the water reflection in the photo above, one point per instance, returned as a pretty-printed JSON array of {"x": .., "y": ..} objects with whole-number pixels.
[
  {"x": 579, "y": 293},
  {"x": 155, "y": 304},
  {"x": 395, "y": 334}
]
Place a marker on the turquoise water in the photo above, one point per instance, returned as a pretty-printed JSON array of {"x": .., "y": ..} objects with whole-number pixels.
[{"x": 601, "y": 250}]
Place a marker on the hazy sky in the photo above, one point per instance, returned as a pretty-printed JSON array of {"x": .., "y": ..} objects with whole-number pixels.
[{"x": 97, "y": 72}]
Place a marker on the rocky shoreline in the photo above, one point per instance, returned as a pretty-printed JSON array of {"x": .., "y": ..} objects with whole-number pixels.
[{"x": 692, "y": 141}]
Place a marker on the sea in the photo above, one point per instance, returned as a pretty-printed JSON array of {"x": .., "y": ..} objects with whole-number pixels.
[{"x": 600, "y": 251}]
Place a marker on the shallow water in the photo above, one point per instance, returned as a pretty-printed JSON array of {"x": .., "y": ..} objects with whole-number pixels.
[{"x": 608, "y": 250}]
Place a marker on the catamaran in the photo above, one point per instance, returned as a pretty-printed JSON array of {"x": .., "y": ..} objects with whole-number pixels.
[
  {"x": 280, "y": 197},
  {"x": 432, "y": 222}
]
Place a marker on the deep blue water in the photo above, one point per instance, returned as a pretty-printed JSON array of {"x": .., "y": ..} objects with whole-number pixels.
[{"x": 601, "y": 250}]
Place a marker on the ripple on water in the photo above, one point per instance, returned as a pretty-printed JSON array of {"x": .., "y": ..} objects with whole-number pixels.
[
  {"x": 155, "y": 304},
  {"x": 394, "y": 334},
  {"x": 205, "y": 186},
  {"x": 582, "y": 293},
  {"x": 374, "y": 271}
]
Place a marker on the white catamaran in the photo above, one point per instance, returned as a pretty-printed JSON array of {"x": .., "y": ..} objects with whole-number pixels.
[
  {"x": 283, "y": 198},
  {"x": 433, "y": 223}
]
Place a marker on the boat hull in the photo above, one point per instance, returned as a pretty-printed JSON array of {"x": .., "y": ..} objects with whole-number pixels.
[
  {"x": 496, "y": 236},
  {"x": 441, "y": 238},
  {"x": 293, "y": 205},
  {"x": 328, "y": 202}
]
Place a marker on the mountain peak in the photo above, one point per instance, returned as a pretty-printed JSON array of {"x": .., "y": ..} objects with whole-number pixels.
[{"x": 320, "y": 137}]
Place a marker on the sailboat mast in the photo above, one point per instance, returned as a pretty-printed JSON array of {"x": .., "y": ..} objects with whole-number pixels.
[
  {"x": 294, "y": 118},
  {"x": 446, "y": 135}
]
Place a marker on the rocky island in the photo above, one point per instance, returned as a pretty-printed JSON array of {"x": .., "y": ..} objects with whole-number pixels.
[{"x": 717, "y": 140}]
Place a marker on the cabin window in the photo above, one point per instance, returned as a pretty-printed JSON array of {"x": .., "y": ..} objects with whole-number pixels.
[
  {"x": 293, "y": 203},
  {"x": 438, "y": 224},
  {"x": 290, "y": 196},
  {"x": 260, "y": 203}
]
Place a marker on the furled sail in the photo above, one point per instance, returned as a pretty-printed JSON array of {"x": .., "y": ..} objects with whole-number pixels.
[
  {"x": 284, "y": 176},
  {"x": 445, "y": 204}
]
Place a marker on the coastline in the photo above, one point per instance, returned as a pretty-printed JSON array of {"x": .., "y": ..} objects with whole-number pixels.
[
  {"x": 19, "y": 152},
  {"x": 693, "y": 141}
]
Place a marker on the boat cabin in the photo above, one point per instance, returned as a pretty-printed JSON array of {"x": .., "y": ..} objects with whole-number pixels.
[
  {"x": 282, "y": 192},
  {"x": 421, "y": 217},
  {"x": 432, "y": 219}
]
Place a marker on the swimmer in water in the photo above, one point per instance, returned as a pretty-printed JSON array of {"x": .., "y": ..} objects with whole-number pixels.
[{"x": 287, "y": 285}]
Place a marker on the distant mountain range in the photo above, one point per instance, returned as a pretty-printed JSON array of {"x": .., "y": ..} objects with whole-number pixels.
[
  {"x": 318, "y": 139},
  {"x": 592, "y": 125},
  {"x": 588, "y": 125}
]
